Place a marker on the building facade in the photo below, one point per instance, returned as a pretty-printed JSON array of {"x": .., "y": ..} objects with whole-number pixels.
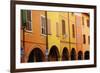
[
  {"x": 33, "y": 38},
  {"x": 86, "y": 35},
  {"x": 79, "y": 43},
  {"x": 64, "y": 35},
  {"x": 54, "y": 36}
]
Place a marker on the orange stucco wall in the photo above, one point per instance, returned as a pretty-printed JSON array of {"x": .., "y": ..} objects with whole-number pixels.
[
  {"x": 34, "y": 39},
  {"x": 79, "y": 32}
]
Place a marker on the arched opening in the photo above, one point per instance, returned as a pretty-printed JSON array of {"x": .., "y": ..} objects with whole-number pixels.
[
  {"x": 53, "y": 54},
  {"x": 80, "y": 55},
  {"x": 36, "y": 55},
  {"x": 73, "y": 54},
  {"x": 65, "y": 54},
  {"x": 87, "y": 55}
]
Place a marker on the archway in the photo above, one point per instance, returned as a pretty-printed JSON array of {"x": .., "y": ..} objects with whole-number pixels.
[
  {"x": 65, "y": 54},
  {"x": 73, "y": 54},
  {"x": 87, "y": 55},
  {"x": 36, "y": 55},
  {"x": 80, "y": 55},
  {"x": 53, "y": 54}
]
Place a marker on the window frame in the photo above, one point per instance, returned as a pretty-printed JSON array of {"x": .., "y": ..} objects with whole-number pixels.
[
  {"x": 41, "y": 24},
  {"x": 84, "y": 39},
  {"x": 88, "y": 23},
  {"x": 73, "y": 30},
  {"x": 63, "y": 30},
  {"x": 30, "y": 22}
]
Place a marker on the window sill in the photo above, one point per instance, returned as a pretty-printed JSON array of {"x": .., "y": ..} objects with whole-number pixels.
[
  {"x": 28, "y": 31},
  {"x": 43, "y": 35}
]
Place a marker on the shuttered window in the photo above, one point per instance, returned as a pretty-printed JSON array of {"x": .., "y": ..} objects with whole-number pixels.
[
  {"x": 83, "y": 20},
  {"x": 63, "y": 27},
  {"x": 73, "y": 30},
  {"x": 88, "y": 39},
  {"x": 49, "y": 26},
  {"x": 26, "y": 19},
  {"x": 84, "y": 39},
  {"x": 88, "y": 23},
  {"x": 23, "y": 17},
  {"x": 57, "y": 29}
]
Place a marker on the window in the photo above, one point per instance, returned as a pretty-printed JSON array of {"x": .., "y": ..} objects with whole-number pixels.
[
  {"x": 84, "y": 39},
  {"x": 73, "y": 31},
  {"x": 49, "y": 27},
  {"x": 57, "y": 29},
  {"x": 23, "y": 17},
  {"x": 28, "y": 25},
  {"x": 83, "y": 20},
  {"x": 63, "y": 28},
  {"x": 88, "y": 39},
  {"x": 88, "y": 24},
  {"x": 26, "y": 19},
  {"x": 43, "y": 25}
]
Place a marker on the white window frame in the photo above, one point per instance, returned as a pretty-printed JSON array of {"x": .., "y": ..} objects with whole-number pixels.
[{"x": 41, "y": 25}]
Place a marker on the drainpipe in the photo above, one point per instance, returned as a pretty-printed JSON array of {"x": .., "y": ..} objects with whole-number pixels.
[
  {"x": 69, "y": 35},
  {"x": 46, "y": 52}
]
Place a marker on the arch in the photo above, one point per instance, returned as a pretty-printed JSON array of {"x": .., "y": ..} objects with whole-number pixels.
[
  {"x": 65, "y": 54},
  {"x": 73, "y": 54},
  {"x": 80, "y": 55},
  {"x": 87, "y": 55},
  {"x": 36, "y": 55},
  {"x": 53, "y": 54}
]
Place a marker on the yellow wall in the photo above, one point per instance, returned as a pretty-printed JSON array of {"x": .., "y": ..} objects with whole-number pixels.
[
  {"x": 64, "y": 16},
  {"x": 72, "y": 39},
  {"x": 72, "y": 21},
  {"x": 60, "y": 41},
  {"x": 64, "y": 39},
  {"x": 52, "y": 38}
]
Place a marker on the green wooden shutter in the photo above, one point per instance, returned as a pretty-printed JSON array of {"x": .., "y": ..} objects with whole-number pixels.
[{"x": 23, "y": 17}]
